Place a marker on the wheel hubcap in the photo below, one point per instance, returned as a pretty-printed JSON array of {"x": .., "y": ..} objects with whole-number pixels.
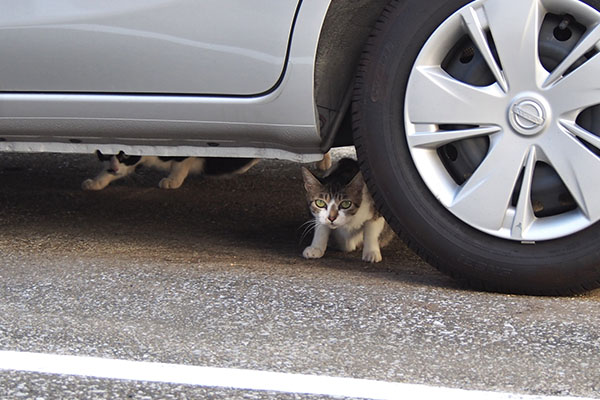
[
  {"x": 501, "y": 117},
  {"x": 528, "y": 116}
]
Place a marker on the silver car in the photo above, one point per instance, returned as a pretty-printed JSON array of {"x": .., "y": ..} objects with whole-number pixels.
[{"x": 476, "y": 123}]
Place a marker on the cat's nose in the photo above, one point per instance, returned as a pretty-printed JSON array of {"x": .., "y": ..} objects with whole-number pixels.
[{"x": 332, "y": 217}]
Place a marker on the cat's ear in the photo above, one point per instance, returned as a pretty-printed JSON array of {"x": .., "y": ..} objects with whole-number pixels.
[
  {"x": 100, "y": 156},
  {"x": 311, "y": 183},
  {"x": 356, "y": 185}
]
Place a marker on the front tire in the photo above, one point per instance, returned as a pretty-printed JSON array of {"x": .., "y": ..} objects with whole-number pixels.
[{"x": 481, "y": 151}]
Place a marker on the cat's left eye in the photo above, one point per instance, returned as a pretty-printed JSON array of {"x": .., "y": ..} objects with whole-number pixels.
[
  {"x": 346, "y": 204},
  {"x": 320, "y": 203}
]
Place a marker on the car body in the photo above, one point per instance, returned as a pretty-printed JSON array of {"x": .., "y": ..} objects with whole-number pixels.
[
  {"x": 476, "y": 121},
  {"x": 172, "y": 78}
]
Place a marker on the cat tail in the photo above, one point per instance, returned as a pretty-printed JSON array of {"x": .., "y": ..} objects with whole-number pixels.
[
  {"x": 348, "y": 164},
  {"x": 214, "y": 166},
  {"x": 346, "y": 169}
]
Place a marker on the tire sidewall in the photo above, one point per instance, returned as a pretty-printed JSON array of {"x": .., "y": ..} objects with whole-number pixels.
[{"x": 409, "y": 206}]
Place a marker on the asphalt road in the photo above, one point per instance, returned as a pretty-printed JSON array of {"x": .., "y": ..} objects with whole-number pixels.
[{"x": 211, "y": 275}]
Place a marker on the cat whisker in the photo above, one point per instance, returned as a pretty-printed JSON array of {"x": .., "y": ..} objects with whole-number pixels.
[
  {"x": 310, "y": 221},
  {"x": 308, "y": 226}
]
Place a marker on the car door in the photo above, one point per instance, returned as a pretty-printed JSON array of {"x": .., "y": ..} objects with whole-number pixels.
[{"x": 216, "y": 47}]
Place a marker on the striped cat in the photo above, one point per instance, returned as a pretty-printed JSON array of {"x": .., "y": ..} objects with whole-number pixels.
[{"x": 343, "y": 210}]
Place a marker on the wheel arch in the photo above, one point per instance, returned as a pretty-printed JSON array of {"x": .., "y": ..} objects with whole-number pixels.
[{"x": 344, "y": 32}]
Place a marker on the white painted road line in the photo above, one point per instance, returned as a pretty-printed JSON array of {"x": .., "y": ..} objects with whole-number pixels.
[{"x": 239, "y": 378}]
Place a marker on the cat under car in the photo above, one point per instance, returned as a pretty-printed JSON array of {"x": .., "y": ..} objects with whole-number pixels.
[
  {"x": 344, "y": 213},
  {"x": 120, "y": 165}
]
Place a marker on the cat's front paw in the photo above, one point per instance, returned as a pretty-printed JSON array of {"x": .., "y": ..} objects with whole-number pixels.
[
  {"x": 373, "y": 256},
  {"x": 91, "y": 184},
  {"x": 313, "y": 252},
  {"x": 168, "y": 183},
  {"x": 348, "y": 247}
]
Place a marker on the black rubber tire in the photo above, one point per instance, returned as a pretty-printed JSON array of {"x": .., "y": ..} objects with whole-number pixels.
[{"x": 557, "y": 267}]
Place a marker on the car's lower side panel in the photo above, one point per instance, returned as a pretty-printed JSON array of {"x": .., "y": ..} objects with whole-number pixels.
[{"x": 280, "y": 124}]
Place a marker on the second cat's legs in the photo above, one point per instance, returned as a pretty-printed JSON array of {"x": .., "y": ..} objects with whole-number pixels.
[
  {"x": 319, "y": 243},
  {"x": 179, "y": 171},
  {"x": 105, "y": 177}
]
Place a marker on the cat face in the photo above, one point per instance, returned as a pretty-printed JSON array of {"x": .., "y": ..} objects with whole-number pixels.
[
  {"x": 332, "y": 201},
  {"x": 118, "y": 160}
]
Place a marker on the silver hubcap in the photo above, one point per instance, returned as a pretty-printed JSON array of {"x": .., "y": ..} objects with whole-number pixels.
[{"x": 528, "y": 116}]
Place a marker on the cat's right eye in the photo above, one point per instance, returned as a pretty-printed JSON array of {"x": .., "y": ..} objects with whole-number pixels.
[
  {"x": 346, "y": 204},
  {"x": 320, "y": 203}
]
